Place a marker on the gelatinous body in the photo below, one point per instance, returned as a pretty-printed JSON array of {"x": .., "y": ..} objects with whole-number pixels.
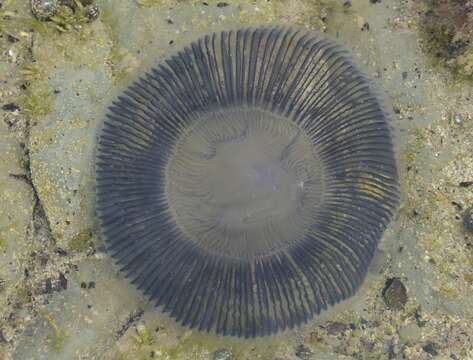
[{"x": 244, "y": 183}]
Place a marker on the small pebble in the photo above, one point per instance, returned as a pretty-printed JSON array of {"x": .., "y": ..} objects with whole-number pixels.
[
  {"x": 50, "y": 285},
  {"x": 92, "y": 12},
  {"x": 303, "y": 352},
  {"x": 61, "y": 251},
  {"x": 12, "y": 39},
  {"x": 2, "y": 337},
  {"x": 44, "y": 9},
  {"x": 62, "y": 281},
  {"x": 347, "y": 4},
  {"x": 394, "y": 294},
  {"x": 419, "y": 320},
  {"x": 430, "y": 348},
  {"x": 10, "y": 107},
  {"x": 458, "y": 118},
  {"x": 223, "y": 354},
  {"x": 468, "y": 219},
  {"x": 390, "y": 350}
]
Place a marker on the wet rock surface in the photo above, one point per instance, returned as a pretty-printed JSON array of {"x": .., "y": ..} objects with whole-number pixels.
[
  {"x": 61, "y": 297},
  {"x": 446, "y": 31}
]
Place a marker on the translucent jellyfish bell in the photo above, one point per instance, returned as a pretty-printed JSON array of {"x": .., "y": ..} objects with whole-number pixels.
[{"x": 244, "y": 183}]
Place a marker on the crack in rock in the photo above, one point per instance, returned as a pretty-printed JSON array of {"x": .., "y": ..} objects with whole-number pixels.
[{"x": 132, "y": 319}]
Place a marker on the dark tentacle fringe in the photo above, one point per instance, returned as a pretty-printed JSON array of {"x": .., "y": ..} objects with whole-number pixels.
[{"x": 311, "y": 83}]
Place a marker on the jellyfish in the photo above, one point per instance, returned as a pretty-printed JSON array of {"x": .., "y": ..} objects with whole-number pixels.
[{"x": 244, "y": 183}]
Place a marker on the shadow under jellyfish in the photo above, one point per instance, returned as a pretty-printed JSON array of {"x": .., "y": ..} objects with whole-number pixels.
[{"x": 244, "y": 183}]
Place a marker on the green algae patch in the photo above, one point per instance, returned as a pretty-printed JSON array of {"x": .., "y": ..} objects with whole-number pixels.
[
  {"x": 146, "y": 345},
  {"x": 68, "y": 20},
  {"x": 9, "y": 16},
  {"x": 3, "y": 245},
  {"x": 121, "y": 63},
  {"x": 81, "y": 242},
  {"x": 152, "y": 341},
  {"x": 22, "y": 296},
  {"x": 150, "y": 3},
  {"x": 56, "y": 338},
  {"x": 38, "y": 101},
  {"x": 417, "y": 141},
  {"x": 464, "y": 63},
  {"x": 446, "y": 32}
]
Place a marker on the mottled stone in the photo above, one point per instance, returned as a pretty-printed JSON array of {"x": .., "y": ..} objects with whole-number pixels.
[
  {"x": 44, "y": 9},
  {"x": 430, "y": 348},
  {"x": 336, "y": 327},
  {"x": 303, "y": 352},
  {"x": 394, "y": 294},
  {"x": 92, "y": 12},
  {"x": 222, "y": 354}
]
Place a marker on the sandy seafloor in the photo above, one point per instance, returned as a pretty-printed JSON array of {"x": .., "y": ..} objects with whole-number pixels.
[{"x": 62, "y": 297}]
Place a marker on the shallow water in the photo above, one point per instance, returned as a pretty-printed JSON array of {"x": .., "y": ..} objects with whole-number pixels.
[{"x": 97, "y": 314}]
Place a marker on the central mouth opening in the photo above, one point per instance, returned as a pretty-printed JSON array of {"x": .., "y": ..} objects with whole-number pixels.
[{"x": 244, "y": 182}]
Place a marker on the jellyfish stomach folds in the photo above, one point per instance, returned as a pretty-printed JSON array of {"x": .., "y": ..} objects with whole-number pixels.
[{"x": 243, "y": 182}]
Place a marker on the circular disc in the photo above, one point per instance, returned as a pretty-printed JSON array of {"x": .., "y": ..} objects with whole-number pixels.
[{"x": 244, "y": 183}]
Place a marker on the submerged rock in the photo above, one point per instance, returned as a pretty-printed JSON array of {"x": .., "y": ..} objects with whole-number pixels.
[
  {"x": 303, "y": 352},
  {"x": 336, "y": 327},
  {"x": 92, "y": 12},
  {"x": 394, "y": 294},
  {"x": 222, "y": 354},
  {"x": 44, "y": 9},
  {"x": 430, "y": 348}
]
